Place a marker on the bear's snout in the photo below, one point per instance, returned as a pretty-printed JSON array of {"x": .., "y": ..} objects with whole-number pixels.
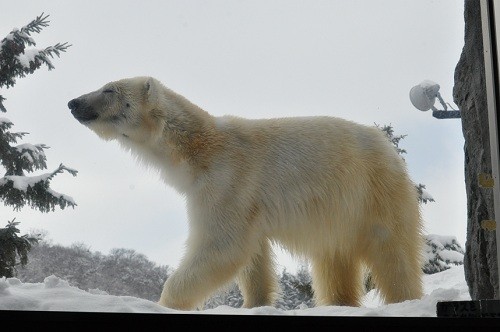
[
  {"x": 73, "y": 104},
  {"x": 81, "y": 110}
]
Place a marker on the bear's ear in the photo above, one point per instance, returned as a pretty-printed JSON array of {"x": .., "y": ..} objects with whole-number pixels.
[{"x": 151, "y": 91}]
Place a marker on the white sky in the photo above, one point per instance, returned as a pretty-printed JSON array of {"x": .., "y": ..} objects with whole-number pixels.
[{"x": 354, "y": 59}]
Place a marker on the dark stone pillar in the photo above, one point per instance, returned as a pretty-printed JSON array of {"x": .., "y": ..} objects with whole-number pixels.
[{"x": 469, "y": 94}]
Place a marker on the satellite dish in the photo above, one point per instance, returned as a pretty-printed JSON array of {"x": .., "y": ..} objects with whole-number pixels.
[{"x": 423, "y": 96}]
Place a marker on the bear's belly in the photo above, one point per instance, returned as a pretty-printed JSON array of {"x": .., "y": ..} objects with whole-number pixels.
[{"x": 307, "y": 236}]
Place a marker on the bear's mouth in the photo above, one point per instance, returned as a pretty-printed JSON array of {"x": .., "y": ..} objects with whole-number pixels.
[
  {"x": 82, "y": 111},
  {"x": 84, "y": 115}
]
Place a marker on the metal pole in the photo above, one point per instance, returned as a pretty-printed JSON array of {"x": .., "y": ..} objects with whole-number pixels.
[{"x": 446, "y": 114}]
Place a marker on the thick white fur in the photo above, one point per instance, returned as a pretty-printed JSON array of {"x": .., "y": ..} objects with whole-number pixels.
[{"x": 327, "y": 189}]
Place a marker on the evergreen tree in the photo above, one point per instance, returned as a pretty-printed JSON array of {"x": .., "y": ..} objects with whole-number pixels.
[
  {"x": 229, "y": 295},
  {"x": 121, "y": 272},
  {"x": 441, "y": 253},
  {"x": 423, "y": 196},
  {"x": 18, "y": 58},
  {"x": 12, "y": 246},
  {"x": 296, "y": 290}
]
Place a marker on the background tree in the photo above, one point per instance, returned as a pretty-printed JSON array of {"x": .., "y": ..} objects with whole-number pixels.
[
  {"x": 121, "y": 272},
  {"x": 18, "y": 58},
  {"x": 296, "y": 290},
  {"x": 12, "y": 246},
  {"x": 423, "y": 195}
]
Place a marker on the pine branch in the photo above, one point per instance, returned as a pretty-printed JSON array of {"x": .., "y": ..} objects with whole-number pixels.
[
  {"x": 17, "y": 191},
  {"x": 389, "y": 132},
  {"x": 43, "y": 55},
  {"x": 17, "y": 61},
  {"x": 36, "y": 25},
  {"x": 12, "y": 246},
  {"x": 56, "y": 49},
  {"x": 423, "y": 196},
  {"x": 2, "y": 108},
  {"x": 24, "y": 157},
  {"x": 23, "y": 36},
  {"x": 61, "y": 169}
]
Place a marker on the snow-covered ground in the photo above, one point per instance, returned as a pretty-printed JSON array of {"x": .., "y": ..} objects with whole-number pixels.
[
  {"x": 55, "y": 294},
  {"x": 56, "y": 305}
]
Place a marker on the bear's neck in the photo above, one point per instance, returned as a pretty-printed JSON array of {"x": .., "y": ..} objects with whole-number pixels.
[
  {"x": 189, "y": 131},
  {"x": 187, "y": 144}
]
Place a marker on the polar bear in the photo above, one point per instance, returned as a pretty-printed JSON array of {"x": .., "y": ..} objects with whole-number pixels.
[{"x": 329, "y": 190}]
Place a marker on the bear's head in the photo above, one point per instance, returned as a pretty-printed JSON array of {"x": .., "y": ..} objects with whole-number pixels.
[{"x": 128, "y": 108}]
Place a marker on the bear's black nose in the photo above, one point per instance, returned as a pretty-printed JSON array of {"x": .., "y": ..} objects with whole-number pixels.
[
  {"x": 82, "y": 111},
  {"x": 73, "y": 104}
]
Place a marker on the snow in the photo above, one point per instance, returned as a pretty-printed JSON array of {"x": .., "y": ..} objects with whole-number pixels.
[
  {"x": 10, "y": 36},
  {"x": 441, "y": 240},
  {"x": 451, "y": 255},
  {"x": 427, "y": 196},
  {"x": 71, "y": 170},
  {"x": 27, "y": 150},
  {"x": 60, "y": 195},
  {"x": 23, "y": 182},
  {"x": 4, "y": 120},
  {"x": 425, "y": 84},
  {"x": 55, "y": 294},
  {"x": 28, "y": 56},
  {"x": 28, "y": 146}
]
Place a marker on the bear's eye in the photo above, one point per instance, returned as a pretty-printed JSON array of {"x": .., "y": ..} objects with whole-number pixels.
[{"x": 108, "y": 91}]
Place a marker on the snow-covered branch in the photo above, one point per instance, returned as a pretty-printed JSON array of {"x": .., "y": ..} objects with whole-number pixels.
[
  {"x": 441, "y": 252},
  {"x": 35, "y": 57},
  {"x": 17, "y": 61},
  {"x": 23, "y": 182},
  {"x": 23, "y": 35},
  {"x": 423, "y": 195},
  {"x": 17, "y": 190},
  {"x": 2, "y": 108}
]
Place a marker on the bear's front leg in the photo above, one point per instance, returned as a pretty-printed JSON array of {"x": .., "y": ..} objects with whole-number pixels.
[
  {"x": 210, "y": 262},
  {"x": 258, "y": 280}
]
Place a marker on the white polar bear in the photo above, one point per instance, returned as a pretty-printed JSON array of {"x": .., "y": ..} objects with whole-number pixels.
[{"x": 327, "y": 189}]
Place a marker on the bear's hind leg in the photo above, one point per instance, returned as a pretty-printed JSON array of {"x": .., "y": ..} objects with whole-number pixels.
[
  {"x": 396, "y": 269},
  {"x": 337, "y": 280},
  {"x": 257, "y": 281}
]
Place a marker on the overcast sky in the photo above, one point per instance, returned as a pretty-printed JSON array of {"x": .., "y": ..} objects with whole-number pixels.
[{"x": 353, "y": 59}]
